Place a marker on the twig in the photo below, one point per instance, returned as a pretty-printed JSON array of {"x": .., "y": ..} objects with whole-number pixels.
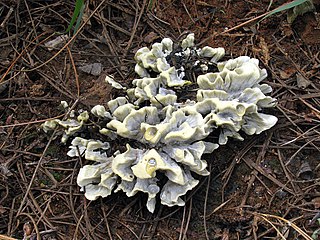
[
  {"x": 34, "y": 225},
  {"x": 136, "y": 23},
  {"x": 182, "y": 222},
  {"x": 289, "y": 223},
  {"x": 38, "y": 165},
  {"x": 236, "y": 160},
  {"x": 31, "y": 122},
  {"x": 253, "y": 165},
  {"x": 3, "y": 237},
  {"x": 240, "y": 25},
  {"x": 70, "y": 41},
  {"x": 75, "y": 72},
  {"x": 205, "y": 207},
  {"x": 6, "y": 17},
  {"x": 21, "y": 54},
  {"x": 188, "y": 221}
]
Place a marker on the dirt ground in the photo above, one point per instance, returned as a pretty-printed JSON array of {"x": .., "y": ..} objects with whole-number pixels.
[{"x": 266, "y": 187}]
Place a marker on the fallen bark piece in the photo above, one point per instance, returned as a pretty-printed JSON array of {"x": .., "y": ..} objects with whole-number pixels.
[{"x": 55, "y": 42}]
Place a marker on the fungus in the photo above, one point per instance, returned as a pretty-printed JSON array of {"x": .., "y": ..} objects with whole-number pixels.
[
  {"x": 113, "y": 83},
  {"x": 164, "y": 126},
  {"x": 70, "y": 126}
]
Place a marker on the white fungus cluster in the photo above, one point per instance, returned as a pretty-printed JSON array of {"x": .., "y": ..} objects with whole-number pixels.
[{"x": 169, "y": 131}]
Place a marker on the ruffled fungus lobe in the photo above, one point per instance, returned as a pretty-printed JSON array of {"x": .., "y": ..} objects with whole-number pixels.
[
  {"x": 168, "y": 129},
  {"x": 70, "y": 126}
]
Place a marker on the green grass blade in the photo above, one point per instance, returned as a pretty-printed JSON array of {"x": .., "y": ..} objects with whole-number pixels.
[
  {"x": 79, "y": 20},
  {"x": 76, "y": 12},
  {"x": 270, "y": 4},
  {"x": 284, "y": 7},
  {"x": 150, "y": 5}
]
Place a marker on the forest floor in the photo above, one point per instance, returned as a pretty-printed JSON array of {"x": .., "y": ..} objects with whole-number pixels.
[{"x": 266, "y": 187}]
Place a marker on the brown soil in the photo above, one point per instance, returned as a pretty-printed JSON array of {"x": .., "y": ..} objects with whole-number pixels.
[{"x": 276, "y": 173}]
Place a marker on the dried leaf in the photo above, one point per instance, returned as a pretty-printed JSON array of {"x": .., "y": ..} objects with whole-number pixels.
[
  {"x": 316, "y": 202},
  {"x": 305, "y": 171},
  {"x": 2, "y": 210},
  {"x": 287, "y": 73},
  {"x": 3, "y": 86},
  {"x": 27, "y": 229},
  {"x": 264, "y": 50},
  {"x": 302, "y": 82},
  {"x": 225, "y": 234},
  {"x": 9, "y": 119},
  {"x": 150, "y": 37},
  {"x": 37, "y": 90},
  {"x": 4, "y": 170}
]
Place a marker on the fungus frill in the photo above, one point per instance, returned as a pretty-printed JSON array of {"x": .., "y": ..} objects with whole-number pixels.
[
  {"x": 70, "y": 126},
  {"x": 164, "y": 126}
]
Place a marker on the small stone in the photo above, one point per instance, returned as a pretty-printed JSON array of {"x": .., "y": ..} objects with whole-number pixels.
[{"x": 94, "y": 69}]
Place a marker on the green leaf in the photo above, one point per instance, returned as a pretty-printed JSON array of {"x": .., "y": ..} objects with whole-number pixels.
[
  {"x": 315, "y": 234},
  {"x": 76, "y": 12},
  {"x": 300, "y": 10},
  {"x": 284, "y": 7}
]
